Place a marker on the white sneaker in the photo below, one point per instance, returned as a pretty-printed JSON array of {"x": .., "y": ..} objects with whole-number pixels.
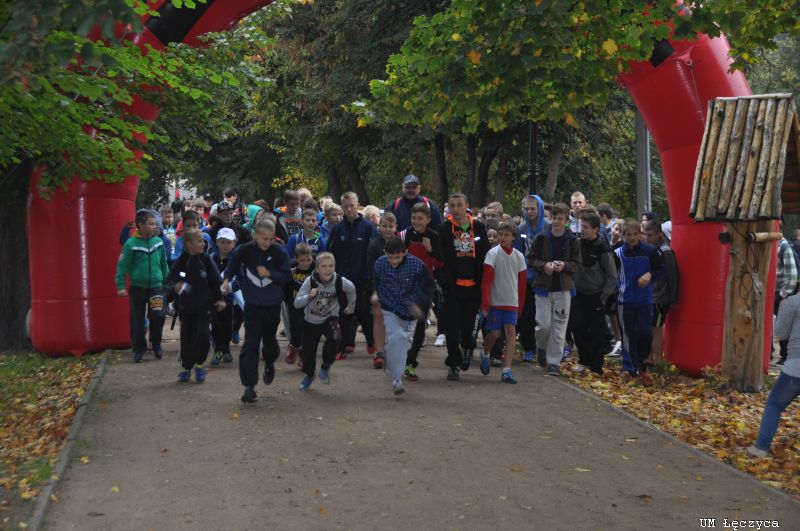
[
  {"x": 757, "y": 452},
  {"x": 440, "y": 340},
  {"x": 398, "y": 388},
  {"x": 617, "y": 350},
  {"x": 580, "y": 369}
]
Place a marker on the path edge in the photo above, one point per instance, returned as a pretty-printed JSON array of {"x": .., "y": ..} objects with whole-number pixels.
[
  {"x": 43, "y": 502},
  {"x": 674, "y": 439}
]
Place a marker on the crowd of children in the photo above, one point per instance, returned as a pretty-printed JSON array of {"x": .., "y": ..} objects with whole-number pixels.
[{"x": 558, "y": 277}]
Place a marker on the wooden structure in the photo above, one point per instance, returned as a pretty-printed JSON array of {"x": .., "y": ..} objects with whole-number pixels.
[{"x": 748, "y": 174}]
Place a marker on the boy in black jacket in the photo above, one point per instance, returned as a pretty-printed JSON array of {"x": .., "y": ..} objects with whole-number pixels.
[
  {"x": 305, "y": 266},
  {"x": 222, "y": 323},
  {"x": 264, "y": 275},
  {"x": 197, "y": 280},
  {"x": 464, "y": 245}
]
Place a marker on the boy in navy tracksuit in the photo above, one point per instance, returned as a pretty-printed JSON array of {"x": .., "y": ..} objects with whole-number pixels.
[
  {"x": 639, "y": 264},
  {"x": 348, "y": 243},
  {"x": 196, "y": 278},
  {"x": 303, "y": 270},
  {"x": 263, "y": 279}
]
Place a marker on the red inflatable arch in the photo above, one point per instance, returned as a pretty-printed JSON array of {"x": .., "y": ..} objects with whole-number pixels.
[{"x": 77, "y": 310}]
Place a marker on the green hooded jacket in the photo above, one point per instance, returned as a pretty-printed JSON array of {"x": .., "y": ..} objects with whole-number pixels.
[{"x": 144, "y": 260}]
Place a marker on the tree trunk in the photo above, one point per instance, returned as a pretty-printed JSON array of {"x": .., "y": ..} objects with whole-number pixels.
[
  {"x": 501, "y": 175},
  {"x": 350, "y": 168},
  {"x": 553, "y": 163},
  {"x": 472, "y": 164},
  {"x": 441, "y": 168},
  {"x": 334, "y": 185},
  {"x": 15, "y": 292},
  {"x": 489, "y": 152}
]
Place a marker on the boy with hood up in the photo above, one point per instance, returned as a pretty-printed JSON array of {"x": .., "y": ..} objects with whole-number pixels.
[{"x": 533, "y": 225}]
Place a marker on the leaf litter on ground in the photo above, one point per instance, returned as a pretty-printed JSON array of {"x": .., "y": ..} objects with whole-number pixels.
[
  {"x": 705, "y": 413},
  {"x": 39, "y": 397}
]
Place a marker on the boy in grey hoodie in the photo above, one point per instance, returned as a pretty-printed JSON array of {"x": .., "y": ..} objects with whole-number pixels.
[{"x": 322, "y": 295}]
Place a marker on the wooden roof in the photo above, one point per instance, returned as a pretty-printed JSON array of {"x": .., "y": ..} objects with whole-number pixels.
[{"x": 748, "y": 167}]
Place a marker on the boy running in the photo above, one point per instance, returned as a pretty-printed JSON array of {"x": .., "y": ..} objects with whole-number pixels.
[
  {"x": 222, "y": 321},
  {"x": 303, "y": 270},
  {"x": 465, "y": 245},
  {"x": 266, "y": 273},
  {"x": 309, "y": 235},
  {"x": 402, "y": 286},
  {"x": 502, "y": 297},
  {"x": 321, "y": 298},
  {"x": 195, "y": 277}
]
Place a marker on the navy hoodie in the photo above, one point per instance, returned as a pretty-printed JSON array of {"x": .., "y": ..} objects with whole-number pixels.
[
  {"x": 256, "y": 290},
  {"x": 527, "y": 232}
]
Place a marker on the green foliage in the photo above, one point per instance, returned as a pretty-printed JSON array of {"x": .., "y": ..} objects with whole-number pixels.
[{"x": 57, "y": 85}]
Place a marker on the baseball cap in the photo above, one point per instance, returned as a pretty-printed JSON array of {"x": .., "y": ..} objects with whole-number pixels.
[
  {"x": 226, "y": 234},
  {"x": 208, "y": 197},
  {"x": 224, "y": 205},
  {"x": 410, "y": 179}
]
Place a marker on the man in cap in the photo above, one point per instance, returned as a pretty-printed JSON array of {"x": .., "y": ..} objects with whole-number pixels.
[{"x": 401, "y": 206}]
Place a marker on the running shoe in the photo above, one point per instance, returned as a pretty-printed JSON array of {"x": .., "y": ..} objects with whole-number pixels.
[
  {"x": 411, "y": 373},
  {"x": 617, "y": 350},
  {"x": 398, "y": 388},
  {"x": 158, "y": 352},
  {"x": 566, "y": 353},
  {"x": 580, "y": 369},
  {"x": 541, "y": 358},
  {"x": 553, "y": 370},
  {"x": 528, "y": 357},
  {"x": 199, "y": 374},
  {"x": 137, "y": 357},
  {"x": 324, "y": 376},
  {"x": 377, "y": 361},
  {"x": 216, "y": 359},
  {"x": 184, "y": 376},
  {"x": 306, "y": 383},
  {"x": 291, "y": 354},
  {"x": 466, "y": 358},
  {"x": 757, "y": 452},
  {"x": 507, "y": 377},
  {"x": 341, "y": 356},
  {"x": 349, "y": 349},
  {"x": 235, "y": 337},
  {"x": 452, "y": 374},
  {"x": 249, "y": 395},
  {"x": 227, "y": 357},
  {"x": 269, "y": 374},
  {"x": 371, "y": 350},
  {"x": 441, "y": 339},
  {"x": 486, "y": 363}
]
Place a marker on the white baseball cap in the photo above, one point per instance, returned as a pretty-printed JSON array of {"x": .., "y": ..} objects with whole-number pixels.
[{"x": 226, "y": 233}]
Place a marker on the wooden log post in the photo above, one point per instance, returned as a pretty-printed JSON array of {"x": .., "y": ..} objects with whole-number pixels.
[
  {"x": 765, "y": 210},
  {"x": 727, "y": 188},
  {"x": 708, "y": 161},
  {"x": 752, "y": 160},
  {"x": 744, "y": 156},
  {"x": 745, "y": 304},
  {"x": 700, "y": 157},
  {"x": 720, "y": 159},
  {"x": 777, "y": 207},
  {"x": 763, "y": 161}
]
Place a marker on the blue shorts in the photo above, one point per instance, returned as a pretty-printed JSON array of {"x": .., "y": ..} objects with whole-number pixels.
[{"x": 497, "y": 319}]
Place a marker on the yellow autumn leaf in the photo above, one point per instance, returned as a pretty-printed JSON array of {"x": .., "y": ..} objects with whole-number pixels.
[
  {"x": 475, "y": 57},
  {"x": 610, "y": 47},
  {"x": 456, "y": 37},
  {"x": 572, "y": 123},
  {"x": 537, "y": 52},
  {"x": 361, "y": 122},
  {"x": 114, "y": 489},
  {"x": 85, "y": 459}
]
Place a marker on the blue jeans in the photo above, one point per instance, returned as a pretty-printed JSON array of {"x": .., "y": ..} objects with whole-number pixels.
[{"x": 786, "y": 389}]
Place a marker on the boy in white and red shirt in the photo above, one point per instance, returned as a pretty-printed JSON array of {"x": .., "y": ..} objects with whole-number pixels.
[{"x": 502, "y": 297}]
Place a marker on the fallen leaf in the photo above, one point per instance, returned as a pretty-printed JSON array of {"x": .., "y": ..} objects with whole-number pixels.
[
  {"x": 114, "y": 489},
  {"x": 85, "y": 459},
  {"x": 645, "y": 497},
  {"x": 579, "y": 469}
]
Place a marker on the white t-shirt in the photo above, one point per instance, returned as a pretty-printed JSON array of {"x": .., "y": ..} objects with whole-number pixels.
[{"x": 505, "y": 288}]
